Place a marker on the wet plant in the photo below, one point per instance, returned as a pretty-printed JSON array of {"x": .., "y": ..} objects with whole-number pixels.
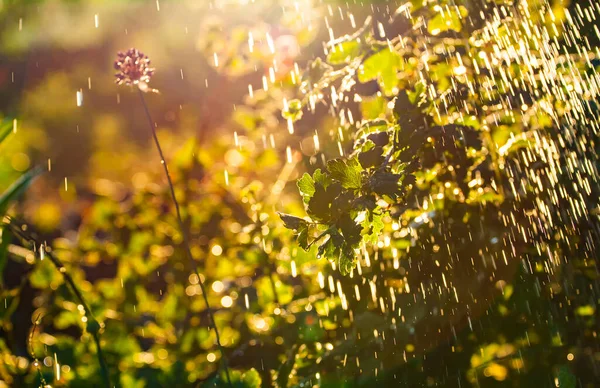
[
  {"x": 93, "y": 326},
  {"x": 134, "y": 70},
  {"x": 435, "y": 174}
]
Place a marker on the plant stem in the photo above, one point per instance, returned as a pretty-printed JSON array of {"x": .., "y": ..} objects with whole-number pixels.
[
  {"x": 318, "y": 238},
  {"x": 60, "y": 267},
  {"x": 186, "y": 242},
  {"x": 32, "y": 354}
]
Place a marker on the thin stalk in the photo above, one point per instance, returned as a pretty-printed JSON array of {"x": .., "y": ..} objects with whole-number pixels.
[
  {"x": 186, "y": 242},
  {"x": 32, "y": 354},
  {"x": 60, "y": 267},
  {"x": 273, "y": 286}
]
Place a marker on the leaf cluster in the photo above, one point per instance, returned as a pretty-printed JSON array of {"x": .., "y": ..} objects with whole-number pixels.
[{"x": 349, "y": 198}]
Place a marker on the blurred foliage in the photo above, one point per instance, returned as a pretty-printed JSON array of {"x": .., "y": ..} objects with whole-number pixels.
[{"x": 441, "y": 244}]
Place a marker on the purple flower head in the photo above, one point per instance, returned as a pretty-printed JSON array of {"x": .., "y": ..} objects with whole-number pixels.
[{"x": 133, "y": 68}]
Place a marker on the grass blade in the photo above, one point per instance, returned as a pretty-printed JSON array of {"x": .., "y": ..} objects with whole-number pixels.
[
  {"x": 6, "y": 128},
  {"x": 17, "y": 188},
  {"x": 4, "y": 243}
]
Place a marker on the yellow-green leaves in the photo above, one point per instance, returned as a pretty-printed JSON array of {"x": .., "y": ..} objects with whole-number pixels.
[
  {"x": 447, "y": 19},
  {"x": 374, "y": 226},
  {"x": 306, "y": 185},
  {"x": 248, "y": 379},
  {"x": 239, "y": 379},
  {"x": 585, "y": 311},
  {"x": 290, "y": 221},
  {"x": 344, "y": 52},
  {"x": 19, "y": 186},
  {"x": 299, "y": 225},
  {"x": 343, "y": 202},
  {"x": 383, "y": 67},
  {"x": 273, "y": 290},
  {"x": 347, "y": 172},
  {"x": 293, "y": 110},
  {"x": 373, "y": 108},
  {"x": 45, "y": 276},
  {"x": 16, "y": 189}
]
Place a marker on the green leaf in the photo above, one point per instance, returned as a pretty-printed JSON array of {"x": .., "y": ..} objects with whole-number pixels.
[
  {"x": 373, "y": 108},
  {"x": 382, "y": 66},
  {"x": 377, "y": 225},
  {"x": 306, "y": 185},
  {"x": 330, "y": 249},
  {"x": 45, "y": 275},
  {"x": 376, "y": 125},
  {"x": 445, "y": 21},
  {"x": 170, "y": 304},
  {"x": 374, "y": 227},
  {"x": 16, "y": 189},
  {"x": 66, "y": 319},
  {"x": 292, "y": 222},
  {"x": 350, "y": 230},
  {"x": 319, "y": 206},
  {"x": 338, "y": 250},
  {"x": 293, "y": 111},
  {"x": 408, "y": 115},
  {"x": 386, "y": 183},
  {"x": 371, "y": 158},
  {"x": 379, "y": 138},
  {"x": 344, "y": 52},
  {"x": 347, "y": 260},
  {"x": 321, "y": 178},
  {"x": 270, "y": 289},
  {"x": 419, "y": 96},
  {"x": 303, "y": 236},
  {"x": 347, "y": 172},
  {"x": 250, "y": 379},
  {"x": 239, "y": 379},
  {"x": 299, "y": 225},
  {"x": 342, "y": 203},
  {"x": 185, "y": 157}
]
